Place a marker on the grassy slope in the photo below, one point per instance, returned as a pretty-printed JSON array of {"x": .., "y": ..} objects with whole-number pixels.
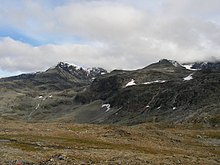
[{"x": 141, "y": 144}]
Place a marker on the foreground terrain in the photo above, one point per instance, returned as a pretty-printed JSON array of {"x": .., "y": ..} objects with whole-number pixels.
[{"x": 60, "y": 143}]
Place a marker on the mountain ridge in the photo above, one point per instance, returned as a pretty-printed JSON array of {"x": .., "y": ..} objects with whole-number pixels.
[{"x": 162, "y": 92}]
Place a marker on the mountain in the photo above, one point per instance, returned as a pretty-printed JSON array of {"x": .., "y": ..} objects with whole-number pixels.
[
  {"x": 161, "y": 92},
  {"x": 60, "y": 77},
  {"x": 43, "y": 95},
  {"x": 214, "y": 66},
  {"x": 164, "y": 91},
  {"x": 80, "y": 73},
  {"x": 206, "y": 65}
]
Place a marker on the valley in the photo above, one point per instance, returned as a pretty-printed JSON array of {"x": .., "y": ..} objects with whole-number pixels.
[{"x": 63, "y": 143}]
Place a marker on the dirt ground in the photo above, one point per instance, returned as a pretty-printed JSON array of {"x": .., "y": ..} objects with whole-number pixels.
[{"x": 66, "y": 144}]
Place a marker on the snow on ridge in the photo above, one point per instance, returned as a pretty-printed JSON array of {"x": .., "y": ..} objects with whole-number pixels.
[
  {"x": 65, "y": 64},
  {"x": 89, "y": 70},
  {"x": 188, "y": 66},
  {"x": 95, "y": 70},
  {"x": 73, "y": 67},
  {"x": 131, "y": 83},
  {"x": 77, "y": 67},
  {"x": 156, "y": 81},
  {"x": 107, "y": 106},
  {"x": 190, "y": 77}
]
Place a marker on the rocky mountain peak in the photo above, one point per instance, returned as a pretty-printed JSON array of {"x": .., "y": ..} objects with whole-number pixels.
[
  {"x": 165, "y": 64},
  {"x": 67, "y": 66},
  {"x": 80, "y": 72},
  {"x": 164, "y": 61},
  {"x": 170, "y": 62}
]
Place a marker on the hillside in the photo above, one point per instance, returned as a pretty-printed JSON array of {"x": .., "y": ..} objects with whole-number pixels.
[
  {"x": 44, "y": 95},
  {"x": 162, "y": 92}
]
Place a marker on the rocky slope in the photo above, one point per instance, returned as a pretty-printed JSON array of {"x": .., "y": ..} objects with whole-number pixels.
[
  {"x": 162, "y": 92},
  {"x": 44, "y": 95}
]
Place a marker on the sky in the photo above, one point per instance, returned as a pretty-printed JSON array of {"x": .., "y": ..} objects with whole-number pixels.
[{"x": 122, "y": 34}]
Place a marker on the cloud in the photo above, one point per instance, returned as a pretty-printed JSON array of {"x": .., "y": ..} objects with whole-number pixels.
[
  {"x": 99, "y": 21},
  {"x": 111, "y": 34},
  {"x": 195, "y": 7},
  {"x": 18, "y": 56}
]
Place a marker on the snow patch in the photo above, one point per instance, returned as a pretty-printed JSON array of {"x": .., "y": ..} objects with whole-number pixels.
[
  {"x": 174, "y": 108},
  {"x": 88, "y": 70},
  {"x": 131, "y": 83},
  {"x": 107, "y": 107},
  {"x": 157, "y": 81},
  {"x": 147, "y": 106},
  {"x": 40, "y": 97},
  {"x": 38, "y": 105},
  {"x": 94, "y": 70},
  {"x": 189, "y": 66},
  {"x": 77, "y": 67},
  {"x": 50, "y": 96},
  {"x": 188, "y": 77}
]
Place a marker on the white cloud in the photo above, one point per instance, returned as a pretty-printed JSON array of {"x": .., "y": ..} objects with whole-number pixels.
[
  {"x": 99, "y": 21},
  {"x": 113, "y": 34},
  {"x": 18, "y": 56}
]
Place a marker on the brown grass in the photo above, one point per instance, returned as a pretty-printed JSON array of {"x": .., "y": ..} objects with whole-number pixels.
[{"x": 103, "y": 144}]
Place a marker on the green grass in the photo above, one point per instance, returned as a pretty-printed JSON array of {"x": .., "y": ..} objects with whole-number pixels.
[
  {"x": 28, "y": 143},
  {"x": 25, "y": 146}
]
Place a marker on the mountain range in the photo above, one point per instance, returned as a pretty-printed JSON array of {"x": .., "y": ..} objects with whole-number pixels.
[{"x": 165, "y": 91}]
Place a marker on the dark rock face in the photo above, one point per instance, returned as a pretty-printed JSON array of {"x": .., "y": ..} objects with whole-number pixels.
[
  {"x": 172, "y": 100},
  {"x": 214, "y": 66},
  {"x": 161, "y": 92},
  {"x": 168, "y": 102}
]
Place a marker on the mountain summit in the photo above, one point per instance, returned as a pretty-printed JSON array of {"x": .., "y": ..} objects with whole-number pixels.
[{"x": 80, "y": 72}]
